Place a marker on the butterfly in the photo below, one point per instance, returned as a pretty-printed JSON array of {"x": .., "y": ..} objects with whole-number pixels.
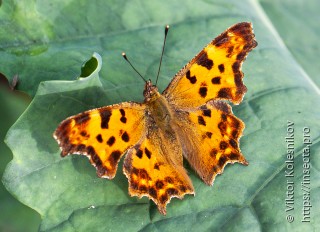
[{"x": 190, "y": 119}]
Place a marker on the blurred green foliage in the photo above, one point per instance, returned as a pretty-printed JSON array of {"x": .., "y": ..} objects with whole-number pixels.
[{"x": 14, "y": 216}]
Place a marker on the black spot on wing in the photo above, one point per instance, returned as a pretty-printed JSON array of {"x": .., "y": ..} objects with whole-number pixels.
[
  {"x": 203, "y": 91},
  {"x": 213, "y": 153},
  {"x": 105, "y": 118},
  {"x": 222, "y": 160},
  {"x": 216, "y": 80},
  {"x": 230, "y": 51},
  {"x": 221, "y": 39},
  {"x": 99, "y": 138},
  {"x": 156, "y": 166},
  {"x": 222, "y": 127},
  {"x": 235, "y": 134},
  {"x": 143, "y": 188},
  {"x": 91, "y": 150},
  {"x": 223, "y": 145},
  {"x": 183, "y": 188},
  {"x": 224, "y": 93},
  {"x": 159, "y": 184},
  {"x": 123, "y": 119},
  {"x": 233, "y": 143},
  {"x": 236, "y": 67},
  {"x": 233, "y": 156},
  {"x": 101, "y": 170},
  {"x": 148, "y": 153},
  {"x": 164, "y": 198},
  {"x": 111, "y": 141},
  {"x": 221, "y": 68},
  {"x": 192, "y": 79},
  {"x": 139, "y": 153},
  {"x": 123, "y": 114},
  {"x": 172, "y": 191},
  {"x": 82, "y": 118},
  {"x": 153, "y": 192},
  {"x": 143, "y": 174},
  {"x": 205, "y": 61},
  {"x": 209, "y": 134},
  {"x": 241, "y": 55},
  {"x": 114, "y": 157},
  {"x": 201, "y": 120},
  {"x": 81, "y": 148},
  {"x": 96, "y": 160},
  {"x": 83, "y": 133},
  {"x": 238, "y": 79},
  {"x": 206, "y": 112},
  {"x": 169, "y": 180},
  {"x": 223, "y": 117},
  {"x": 125, "y": 137}
]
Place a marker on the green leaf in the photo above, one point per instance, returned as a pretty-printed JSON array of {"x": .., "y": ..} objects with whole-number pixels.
[
  {"x": 43, "y": 41},
  {"x": 12, "y": 104},
  {"x": 297, "y": 23},
  {"x": 66, "y": 191}
]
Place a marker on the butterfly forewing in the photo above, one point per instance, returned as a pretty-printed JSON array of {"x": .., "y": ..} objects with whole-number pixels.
[
  {"x": 103, "y": 134},
  {"x": 215, "y": 73}
]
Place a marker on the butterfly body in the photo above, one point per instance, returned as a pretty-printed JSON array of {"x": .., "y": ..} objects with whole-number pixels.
[
  {"x": 157, "y": 107},
  {"x": 190, "y": 119}
]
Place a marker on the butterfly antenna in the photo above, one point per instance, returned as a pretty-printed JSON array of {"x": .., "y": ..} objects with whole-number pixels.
[
  {"x": 126, "y": 58},
  {"x": 164, "y": 44}
]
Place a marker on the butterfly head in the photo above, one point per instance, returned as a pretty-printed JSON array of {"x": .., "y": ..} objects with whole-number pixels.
[{"x": 150, "y": 92}]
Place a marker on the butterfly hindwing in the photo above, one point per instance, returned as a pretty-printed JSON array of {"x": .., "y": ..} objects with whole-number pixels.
[
  {"x": 210, "y": 138},
  {"x": 215, "y": 73},
  {"x": 154, "y": 168},
  {"x": 102, "y": 134}
]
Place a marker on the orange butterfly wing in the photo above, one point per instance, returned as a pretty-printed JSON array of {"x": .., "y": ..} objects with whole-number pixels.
[
  {"x": 215, "y": 73},
  {"x": 103, "y": 134},
  {"x": 210, "y": 132},
  {"x": 210, "y": 138},
  {"x": 154, "y": 168}
]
